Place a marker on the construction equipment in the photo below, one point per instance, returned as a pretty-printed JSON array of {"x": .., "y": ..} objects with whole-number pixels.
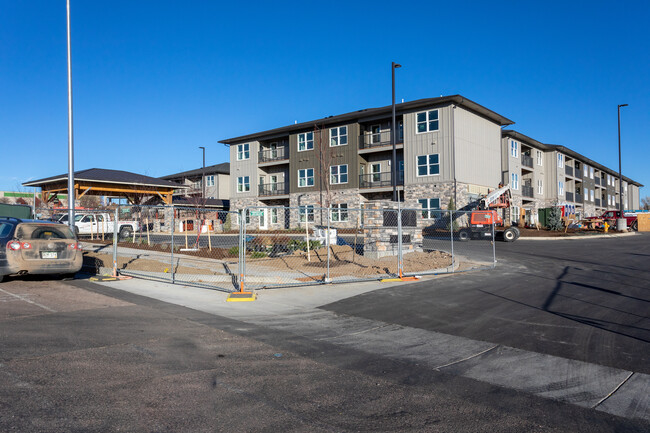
[{"x": 484, "y": 214}]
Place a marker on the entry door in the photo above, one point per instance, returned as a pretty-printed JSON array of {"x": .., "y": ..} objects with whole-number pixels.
[
  {"x": 263, "y": 219},
  {"x": 375, "y": 134},
  {"x": 375, "y": 170},
  {"x": 274, "y": 150},
  {"x": 274, "y": 183}
]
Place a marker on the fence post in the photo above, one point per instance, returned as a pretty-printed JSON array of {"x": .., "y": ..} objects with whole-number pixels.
[
  {"x": 494, "y": 253},
  {"x": 242, "y": 280},
  {"x": 451, "y": 230},
  {"x": 172, "y": 244},
  {"x": 327, "y": 243},
  {"x": 115, "y": 235},
  {"x": 400, "y": 263}
]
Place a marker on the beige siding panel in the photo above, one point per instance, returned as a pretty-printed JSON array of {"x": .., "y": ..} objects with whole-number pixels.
[
  {"x": 246, "y": 167},
  {"x": 478, "y": 149}
]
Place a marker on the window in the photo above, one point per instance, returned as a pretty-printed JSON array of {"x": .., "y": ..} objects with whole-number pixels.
[
  {"x": 243, "y": 184},
  {"x": 427, "y": 121},
  {"x": 339, "y": 136},
  {"x": 609, "y": 180},
  {"x": 339, "y": 212},
  {"x": 247, "y": 217},
  {"x": 305, "y": 141},
  {"x": 307, "y": 213},
  {"x": 560, "y": 188},
  {"x": 540, "y": 186},
  {"x": 209, "y": 181},
  {"x": 274, "y": 216},
  {"x": 540, "y": 158},
  {"x": 514, "y": 148},
  {"x": 339, "y": 174},
  {"x": 515, "y": 214},
  {"x": 514, "y": 180},
  {"x": 428, "y": 165},
  {"x": 305, "y": 177},
  {"x": 592, "y": 195},
  {"x": 430, "y": 208},
  {"x": 585, "y": 171},
  {"x": 243, "y": 151},
  {"x": 591, "y": 172},
  {"x": 560, "y": 160}
]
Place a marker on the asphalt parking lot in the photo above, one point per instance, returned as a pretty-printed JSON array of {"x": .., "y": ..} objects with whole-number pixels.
[{"x": 141, "y": 356}]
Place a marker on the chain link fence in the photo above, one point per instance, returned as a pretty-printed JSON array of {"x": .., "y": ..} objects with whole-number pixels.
[{"x": 278, "y": 246}]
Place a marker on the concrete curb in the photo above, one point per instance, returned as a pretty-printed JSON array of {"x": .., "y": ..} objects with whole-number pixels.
[{"x": 582, "y": 238}]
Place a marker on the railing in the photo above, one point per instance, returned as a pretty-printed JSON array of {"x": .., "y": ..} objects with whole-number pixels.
[
  {"x": 526, "y": 160},
  {"x": 569, "y": 196},
  {"x": 527, "y": 191},
  {"x": 382, "y": 138},
  {"x": 278, "y": 188},
  {"x": 578, "y": 198},
  {"x": 598, "y": 202},
  {"x": 273, "y": 154},
  {"x": 376, "y": 180},
  {"x": 597, "y": 180},
  {"x": 568, "y": 170}
]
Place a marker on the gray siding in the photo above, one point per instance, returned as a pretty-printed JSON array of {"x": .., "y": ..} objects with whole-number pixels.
[{"x": 246, "y": 167}]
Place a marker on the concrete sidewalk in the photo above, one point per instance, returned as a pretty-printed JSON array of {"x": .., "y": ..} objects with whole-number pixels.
[{"x": 295, "y": 310}]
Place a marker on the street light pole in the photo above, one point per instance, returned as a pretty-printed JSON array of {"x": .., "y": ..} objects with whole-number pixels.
[
  {"x": 203, "y": 175},
  {"x": 621, "y": 223},
  {"x": 71, "y": 191},
  {"x": 393, "y": 126}
]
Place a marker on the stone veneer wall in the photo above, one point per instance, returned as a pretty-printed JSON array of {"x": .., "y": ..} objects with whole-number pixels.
[{"x": 377, "y": 236}]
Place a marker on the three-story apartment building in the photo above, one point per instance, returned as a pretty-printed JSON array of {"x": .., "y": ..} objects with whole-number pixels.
[{"x": 448, "y": 149}]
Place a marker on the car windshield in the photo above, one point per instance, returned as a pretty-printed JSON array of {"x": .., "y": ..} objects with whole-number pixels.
[{"x": 43, "y": 231}]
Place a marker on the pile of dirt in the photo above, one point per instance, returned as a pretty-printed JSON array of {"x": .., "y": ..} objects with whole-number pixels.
[
  {"x": 546, "y": 233},
  {"x": 94, "y": 261}
]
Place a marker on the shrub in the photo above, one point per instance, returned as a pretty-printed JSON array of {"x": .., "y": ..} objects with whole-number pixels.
[
  {"x": 258, "y": 254},
  {"x": 233, "y": 251},
  {"x": 554, "y": 221}
]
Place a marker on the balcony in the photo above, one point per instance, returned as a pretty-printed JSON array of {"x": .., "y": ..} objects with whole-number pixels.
[
  {"x": 526, "y": 161},
  {"x": 379, "y": 180},
  {"x": 273, "y": 189},
  {"x": 527, "y": 191},
  {"x": 370, "y": 140},
  {"x": 278, "y": 154},
  {"x": 597, "y": 180},
  {"x": 569, "y": 196},
  {"x": 598, "y": 202},
  {"x": 578, "y": 198},
  {"x": 568, "y": 170}
]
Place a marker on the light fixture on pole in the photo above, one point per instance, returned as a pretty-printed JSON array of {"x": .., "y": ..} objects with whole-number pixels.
[
  {"x": 71, "y": 191},
  {"x": 203, "y": 175},
  {"x": 393, "y": 127},
  {"x": 621, "y": 223}
]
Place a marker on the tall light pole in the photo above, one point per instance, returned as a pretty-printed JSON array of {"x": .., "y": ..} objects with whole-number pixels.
[
  {"x": 71, "y": 191},
  {"x": 621, "y": 223},
  {"x": 203, "y": 175},
  {"x": 393, "y": 126}
]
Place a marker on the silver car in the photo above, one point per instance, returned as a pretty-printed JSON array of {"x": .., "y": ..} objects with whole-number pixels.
[{"x": 38, "y": 247}]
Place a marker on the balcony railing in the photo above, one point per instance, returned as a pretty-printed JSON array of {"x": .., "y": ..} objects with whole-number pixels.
[
  {"x": 597, "y": 180},
  {"x": 598, "y": 202},
  {"x": 568, "y": 170},
  {"x": 569, "y": 196},
  {"x": 273, "y": 154},
  {"x": 376, "y": 180},
  {"x": 270, "y": 189},
  {"x": 526, "y": 160},
  {"x": 382, "y": 138},
  {"x": 578, "y": 198},
  {"x": 527, "y": 191}
]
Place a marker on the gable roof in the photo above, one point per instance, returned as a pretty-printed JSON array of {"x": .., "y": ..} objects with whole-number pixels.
[
  {"x": 370, "y": 112},
  {"x": 223, "y": 168},
  {"x": 103, "y": 175}
]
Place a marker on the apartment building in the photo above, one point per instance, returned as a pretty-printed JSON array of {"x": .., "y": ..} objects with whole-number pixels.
[
  {"x": 217, "y": 185},
  {"x": 447, "y": 149},
  {"x": 541, "y": 175}
]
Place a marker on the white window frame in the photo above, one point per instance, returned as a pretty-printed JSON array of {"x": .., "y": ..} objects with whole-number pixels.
[
  {"x": 609, "y": 180},
  {"x": 427, "y": 121},
  {"x": 209, "y": 180},
  {"x": 560, "y": 188},
  {"x": 428, "y": 164},
  {"x": 591, "y": 172},
  {"x": 540, "y": 186},
  {"x": 592, "y": 195},
  {"x": 514, "y": 149},
  {"x": 274, "y": 215},
  {"x": 307, "y": 211},
  {"x": 306, "y": 177},
  {"x": 540, "y": 158},
  {"x": 306, "y": 141},
  {"x": 430, "y": 211},
  {"x": 247, "y": 217},
  {"x": 243, "y": 151},
  {"x": 514, "y": 216},
  {"x": 337, "y": 137},
  {"x": 243, "y": 184},
  {"x": 514, "y": 181},
  {"x": 560, "y": 160},
  {"x": 339, "y": 212},
  {"x": 336, "y": 174}
]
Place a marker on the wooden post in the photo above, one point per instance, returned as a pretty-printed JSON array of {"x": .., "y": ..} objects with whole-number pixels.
[
  {"x": 307, "y": 232},
  {"x": 148, "y": 237},
  {"x": 210, "y": 238},
  {"x": 185, "y": 231}
]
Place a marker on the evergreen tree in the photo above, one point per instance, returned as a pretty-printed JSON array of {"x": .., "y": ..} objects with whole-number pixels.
[{"x": 555, "y": 218}]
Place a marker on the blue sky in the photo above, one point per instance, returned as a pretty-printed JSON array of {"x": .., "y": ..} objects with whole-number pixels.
[{"x": 153, "y": 80}]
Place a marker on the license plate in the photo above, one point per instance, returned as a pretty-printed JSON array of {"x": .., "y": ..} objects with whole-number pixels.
[
  {"x": 479, "y": 225},
  {"x": 48, "y": 254}
]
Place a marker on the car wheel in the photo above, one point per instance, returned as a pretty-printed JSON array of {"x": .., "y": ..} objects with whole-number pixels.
[
  {"x": 126, "y": 232},
  {"x": 2, "y": 277},
  {"x": 509, "y": 235},
  {"x": 635, "y": 226},
  {"x": 464, "y": 235}
]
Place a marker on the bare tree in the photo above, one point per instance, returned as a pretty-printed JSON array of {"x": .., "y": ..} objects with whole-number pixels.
[{"x": 645, "y": 202}]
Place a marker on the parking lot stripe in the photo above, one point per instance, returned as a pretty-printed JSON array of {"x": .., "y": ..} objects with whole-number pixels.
[{"x": 29, "y": 301}]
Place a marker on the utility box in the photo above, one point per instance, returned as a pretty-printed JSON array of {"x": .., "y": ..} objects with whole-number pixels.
[{"x": 643, "y": 222}]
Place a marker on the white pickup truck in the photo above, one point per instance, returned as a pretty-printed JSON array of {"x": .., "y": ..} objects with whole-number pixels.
[{"x": 98, "y": 223}]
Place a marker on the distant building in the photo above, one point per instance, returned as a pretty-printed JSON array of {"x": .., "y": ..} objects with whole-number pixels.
[{"x": 217, "y": 186}]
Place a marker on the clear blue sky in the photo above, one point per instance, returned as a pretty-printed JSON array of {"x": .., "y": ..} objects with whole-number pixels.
[{"x": 153, "y": 80}]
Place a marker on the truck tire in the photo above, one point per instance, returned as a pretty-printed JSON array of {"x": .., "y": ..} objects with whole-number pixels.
[
  {"x": 635, "y": 226},
  {"x": 125, "y": 233},
  {"x": 464, "y": 235},
  {"x": 510, "y": 234}
]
